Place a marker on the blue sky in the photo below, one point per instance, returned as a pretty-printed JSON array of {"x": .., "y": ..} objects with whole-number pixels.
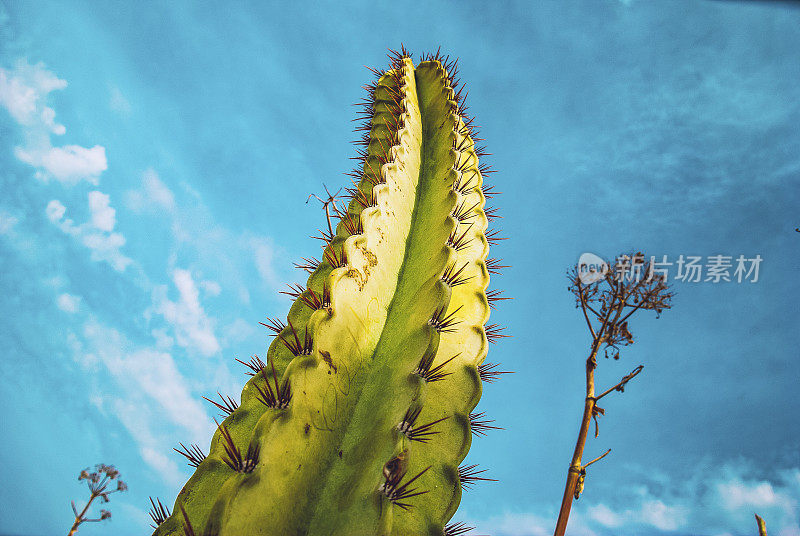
[{"x": 155, "y": 159}]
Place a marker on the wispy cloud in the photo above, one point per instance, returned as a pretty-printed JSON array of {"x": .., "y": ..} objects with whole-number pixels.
[
  {"x": 529, "y": 524},
  {"x": 648, "y": 512},
  {"x": 211, "y": 288},
  {"x": 69, "y": 303},
  {"x": 192, "y": 327},
  {"x": 236, "y": 256},
  {"x": 139, "y": 383},
  {"x": 147, "y": 390},
  {"x": 117, "y": 101},
  {"x": 714, "y": 500},
  {"x": 740, "y": 491},
  {"x": 687, "y": 131},
  {"x": 154, "y": 195},
  {"x": 263, "y": 253},
  {"x": 136, "y": 419},
  {"x": 7, "y": 223},
  {"x": 98, "y": 233},
  {"x": 737, "y": 493},
  {"x": 232, "y": 254},
  {"x": 23, "y": 93}
]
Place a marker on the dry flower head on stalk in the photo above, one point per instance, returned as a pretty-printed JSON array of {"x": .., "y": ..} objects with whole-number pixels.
[
  {"x": 101, "y": 485},
  {"x": 607, "y": 304}
]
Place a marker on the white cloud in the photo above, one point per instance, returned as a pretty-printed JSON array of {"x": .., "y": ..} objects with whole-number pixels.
[
  {"x": 736, "y": 494},
  {"x": 650, "y": 512},
  {"x": 158, "y": 191},
  {"x": 244, "y": 295},
  {"x": 69, "y": 164},
  {"x": 239, "y": 330},
  {"x": 233, "y": 256},
  {"x": 776, "y": 499},
  {"x": 135, "y": 419},
  {"x": 117, "y": 102},
  {"x": 56, "y": 282},
  {"x": 605, "y": 516},
  {"x": 23, "y": 92},
  {"x": 193, "y": 328},
  {"x": 7, "y": 223},
  {"x": 154, "y": 195},
  {"x": 105, "y": 247},
  {"x": 68, "y": 303},
  {"x": 103, "y": 216},
  {"x": 163, "y": 465},
  {"x": 522, "y": 525},
  {"x": 528, "y": 524},
  {"x": 263, "y": 257},
  {"x": 97, "y": 234},
  {"x": 163, "y": 341},
  {"x": 717, "y": 499},
  {"x": 663, "y": 516},
  {"x": 211, "y": 288},
  {"x": 146, "y": 371},
  {"x": 55, "y": 210},
  {"x": 156, "y": 374}
]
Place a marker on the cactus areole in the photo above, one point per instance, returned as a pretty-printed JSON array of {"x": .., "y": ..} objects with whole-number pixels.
[{"x": 357, "y": 420}]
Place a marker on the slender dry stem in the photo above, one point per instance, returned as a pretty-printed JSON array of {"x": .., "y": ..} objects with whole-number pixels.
[{"x": 331, "y": 200}]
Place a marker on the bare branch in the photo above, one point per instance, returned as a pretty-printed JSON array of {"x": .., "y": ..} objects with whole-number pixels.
[
  {"x": 596, "y": 459},
  {"x": 621, "y": 385},
  {"x": 331, "y": 200},
  {"x": 584, "y": 305},
  {"x": 595, "y": 313}
]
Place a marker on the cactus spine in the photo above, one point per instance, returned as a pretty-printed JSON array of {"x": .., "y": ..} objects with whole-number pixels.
[{"x": 358, "y": 419}]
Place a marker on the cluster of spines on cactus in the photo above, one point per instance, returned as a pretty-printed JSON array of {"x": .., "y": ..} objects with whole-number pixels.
[{"x": 236, "y": 447}]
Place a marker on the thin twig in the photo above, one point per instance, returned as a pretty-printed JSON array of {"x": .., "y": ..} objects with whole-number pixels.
[
  {"x": 596, "y": 459},
  {"x": 621, "y": 385},
  {"x": 583, "y": 308},
  {"x": 330, "y": 201}
]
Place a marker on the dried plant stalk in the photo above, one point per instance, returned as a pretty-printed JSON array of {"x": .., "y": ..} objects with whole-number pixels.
[{"x": 607, "y": 305}]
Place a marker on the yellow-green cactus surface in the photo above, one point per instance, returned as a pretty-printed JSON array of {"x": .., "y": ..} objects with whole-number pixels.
[{"x": 357, "y": 420}]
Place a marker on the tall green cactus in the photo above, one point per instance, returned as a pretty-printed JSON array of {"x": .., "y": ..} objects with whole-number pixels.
[{"x": 359, "y": 419}]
